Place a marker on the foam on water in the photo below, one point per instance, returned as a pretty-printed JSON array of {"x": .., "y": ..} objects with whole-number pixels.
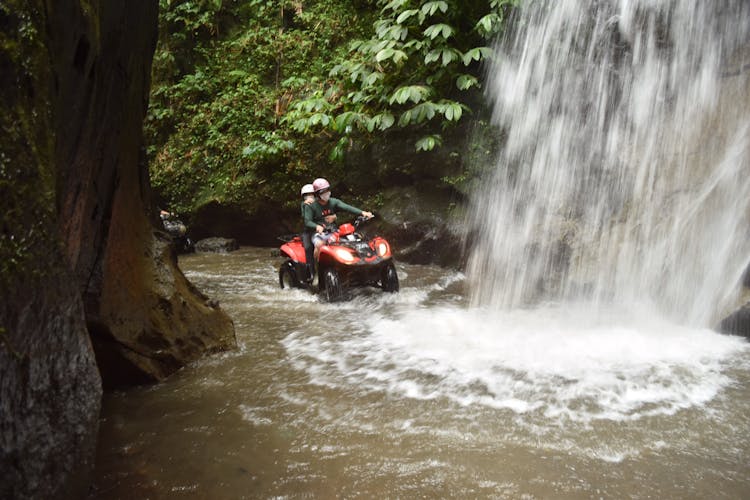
[{"x": 556, "y": 363}]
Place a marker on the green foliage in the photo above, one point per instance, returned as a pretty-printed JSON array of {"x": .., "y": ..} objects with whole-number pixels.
[
  {"x": 479, "y": 157},
  {"x": 252, "y": 97},
  {"x": 415, "y": 70},
  {"x": 428, "y": 143},
  {"x": 224, "y": 74}
]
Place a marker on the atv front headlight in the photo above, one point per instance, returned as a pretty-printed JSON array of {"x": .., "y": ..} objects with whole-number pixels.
[
  {"x": 344, "y": 255},
  {"x": 382, "y": 248}
]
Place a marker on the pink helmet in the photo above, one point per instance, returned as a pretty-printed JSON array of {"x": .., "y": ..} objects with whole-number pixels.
[{"x": 320, "y": 184}]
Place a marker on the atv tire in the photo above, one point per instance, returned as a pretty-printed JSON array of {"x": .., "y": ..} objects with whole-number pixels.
[
  {"x": 332, "y": 289},
  {"x": 389, "y": 279},
  {"x": 288, "y": 275}
]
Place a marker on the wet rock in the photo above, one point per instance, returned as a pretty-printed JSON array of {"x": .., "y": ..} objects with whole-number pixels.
[
  {"x": 217, "y": 245},
  {"x": 80, "y": 262},
  {"x": 50, "y": 391},
  {"x": 143, "y": 341},
  {"x": 125, "y": 269},
  {"x": 249, "y": 225},
  {"x": 421, "y": 225},
  {"x": 737, "y": 323}
]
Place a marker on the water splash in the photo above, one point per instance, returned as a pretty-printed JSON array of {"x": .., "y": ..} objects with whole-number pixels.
[
  {"x": 545, "y": 364},
  {"x": 624, "y": 174}
]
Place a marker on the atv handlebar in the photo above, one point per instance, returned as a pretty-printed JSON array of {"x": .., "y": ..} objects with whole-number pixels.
[
  {"x": 361, "y": 219},
  {"x": 358, "y": 221}
]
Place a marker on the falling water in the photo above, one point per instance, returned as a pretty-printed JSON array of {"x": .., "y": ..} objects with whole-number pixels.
[{"x": 624, "y": 176}]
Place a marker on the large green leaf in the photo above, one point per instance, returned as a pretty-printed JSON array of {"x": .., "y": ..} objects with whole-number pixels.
[
  {"x": 238, "y": 73},
  {"x": 406, "y": 15},
  {"x": 452, "y": 110},
  {"x": 398, "y": 56},
  {"x": 414, "y": 93},
  {"x": 384, "y": 54},
  {"x": 440, "y": 29},
  {"x": 429, "y": 8},
  {"x": 449, "y": 55},
  {"x": 347, "y": 119},
  {"x": 424, "y": 111},
  {"x": 386, "y": 120},
  {"x": 395, "y": 5},
  {"x": 489, "y": 24},
  {"x": 477, "y": 54},
  {"x": 373, "y": 78},
  {"x": 464, "y": 82},
  {"x": 428, "y": 143},
  {"x": 320, "y": 119},
  {"x": 432, "y": 56}
]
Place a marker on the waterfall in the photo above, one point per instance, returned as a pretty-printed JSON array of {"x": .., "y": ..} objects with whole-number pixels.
[{"x": 624, "y": 175}]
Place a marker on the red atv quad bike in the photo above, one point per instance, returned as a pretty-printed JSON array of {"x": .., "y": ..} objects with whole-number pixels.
[{"x": 348, "y": 259}]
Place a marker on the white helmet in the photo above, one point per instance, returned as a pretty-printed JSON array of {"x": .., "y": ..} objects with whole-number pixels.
[{"x": 307, "y": 189}]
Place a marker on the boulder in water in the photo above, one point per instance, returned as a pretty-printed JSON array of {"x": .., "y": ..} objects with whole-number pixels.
[
  {"x": 217, "y": 245},
  {"x": 737, "y": 323}
]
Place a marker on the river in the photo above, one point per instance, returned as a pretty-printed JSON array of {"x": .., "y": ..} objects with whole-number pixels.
[
  {"x": 416, "y": 394},
  {"x": 574, "y": 360}
]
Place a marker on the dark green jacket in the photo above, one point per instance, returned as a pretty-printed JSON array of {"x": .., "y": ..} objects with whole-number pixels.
[
  {"x": 316, "y": 215},
  {"x": 306, "y": 212}
]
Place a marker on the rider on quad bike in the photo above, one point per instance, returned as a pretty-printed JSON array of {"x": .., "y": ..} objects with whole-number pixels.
[
  {"x": 322, "y": 215},
  {"x": 345, "y": 257}
]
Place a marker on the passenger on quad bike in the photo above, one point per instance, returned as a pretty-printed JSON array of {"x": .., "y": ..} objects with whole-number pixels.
[
  {"x": 308, "y": 198},
  {"x": 347, "y": 259},
  {"x": 322, "y": 215},
  {"x": 344, "y": 257}
]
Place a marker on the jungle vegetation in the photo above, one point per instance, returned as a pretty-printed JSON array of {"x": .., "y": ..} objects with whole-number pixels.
[{"x": 251, "y": 98}]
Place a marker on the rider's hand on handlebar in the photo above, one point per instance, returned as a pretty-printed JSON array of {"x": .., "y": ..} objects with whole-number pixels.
[
  {"x": 367, "y": 215},
  {"x": 319, "y": 228}
]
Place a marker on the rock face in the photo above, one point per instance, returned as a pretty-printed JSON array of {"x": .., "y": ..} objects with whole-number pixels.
[
  {"x": 217, "y": 245},
  {"x": 737, "y": 323},
  {"x": 151, "y": 321},
  {"x": 215, "y": 219},
  {"x": 50, "y": 389},
  {"x": 420, "y": 227},
  {"x": 145, "y": 318},
  {"x": 79, "y": 255}
]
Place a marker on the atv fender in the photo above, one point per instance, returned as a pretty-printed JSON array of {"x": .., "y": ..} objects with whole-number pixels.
[{"x": 295, "y": 251}]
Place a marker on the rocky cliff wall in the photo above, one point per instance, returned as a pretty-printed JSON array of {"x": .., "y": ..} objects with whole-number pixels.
[
  {"x": 50, "y": 389},
  {"x": 80, "y": 257}
]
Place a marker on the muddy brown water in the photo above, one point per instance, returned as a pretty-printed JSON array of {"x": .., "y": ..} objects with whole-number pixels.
[{"x": 415, "y": 395}]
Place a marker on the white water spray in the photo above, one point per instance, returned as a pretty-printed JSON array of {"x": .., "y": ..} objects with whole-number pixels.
[{"x": 625, "y": 174}]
